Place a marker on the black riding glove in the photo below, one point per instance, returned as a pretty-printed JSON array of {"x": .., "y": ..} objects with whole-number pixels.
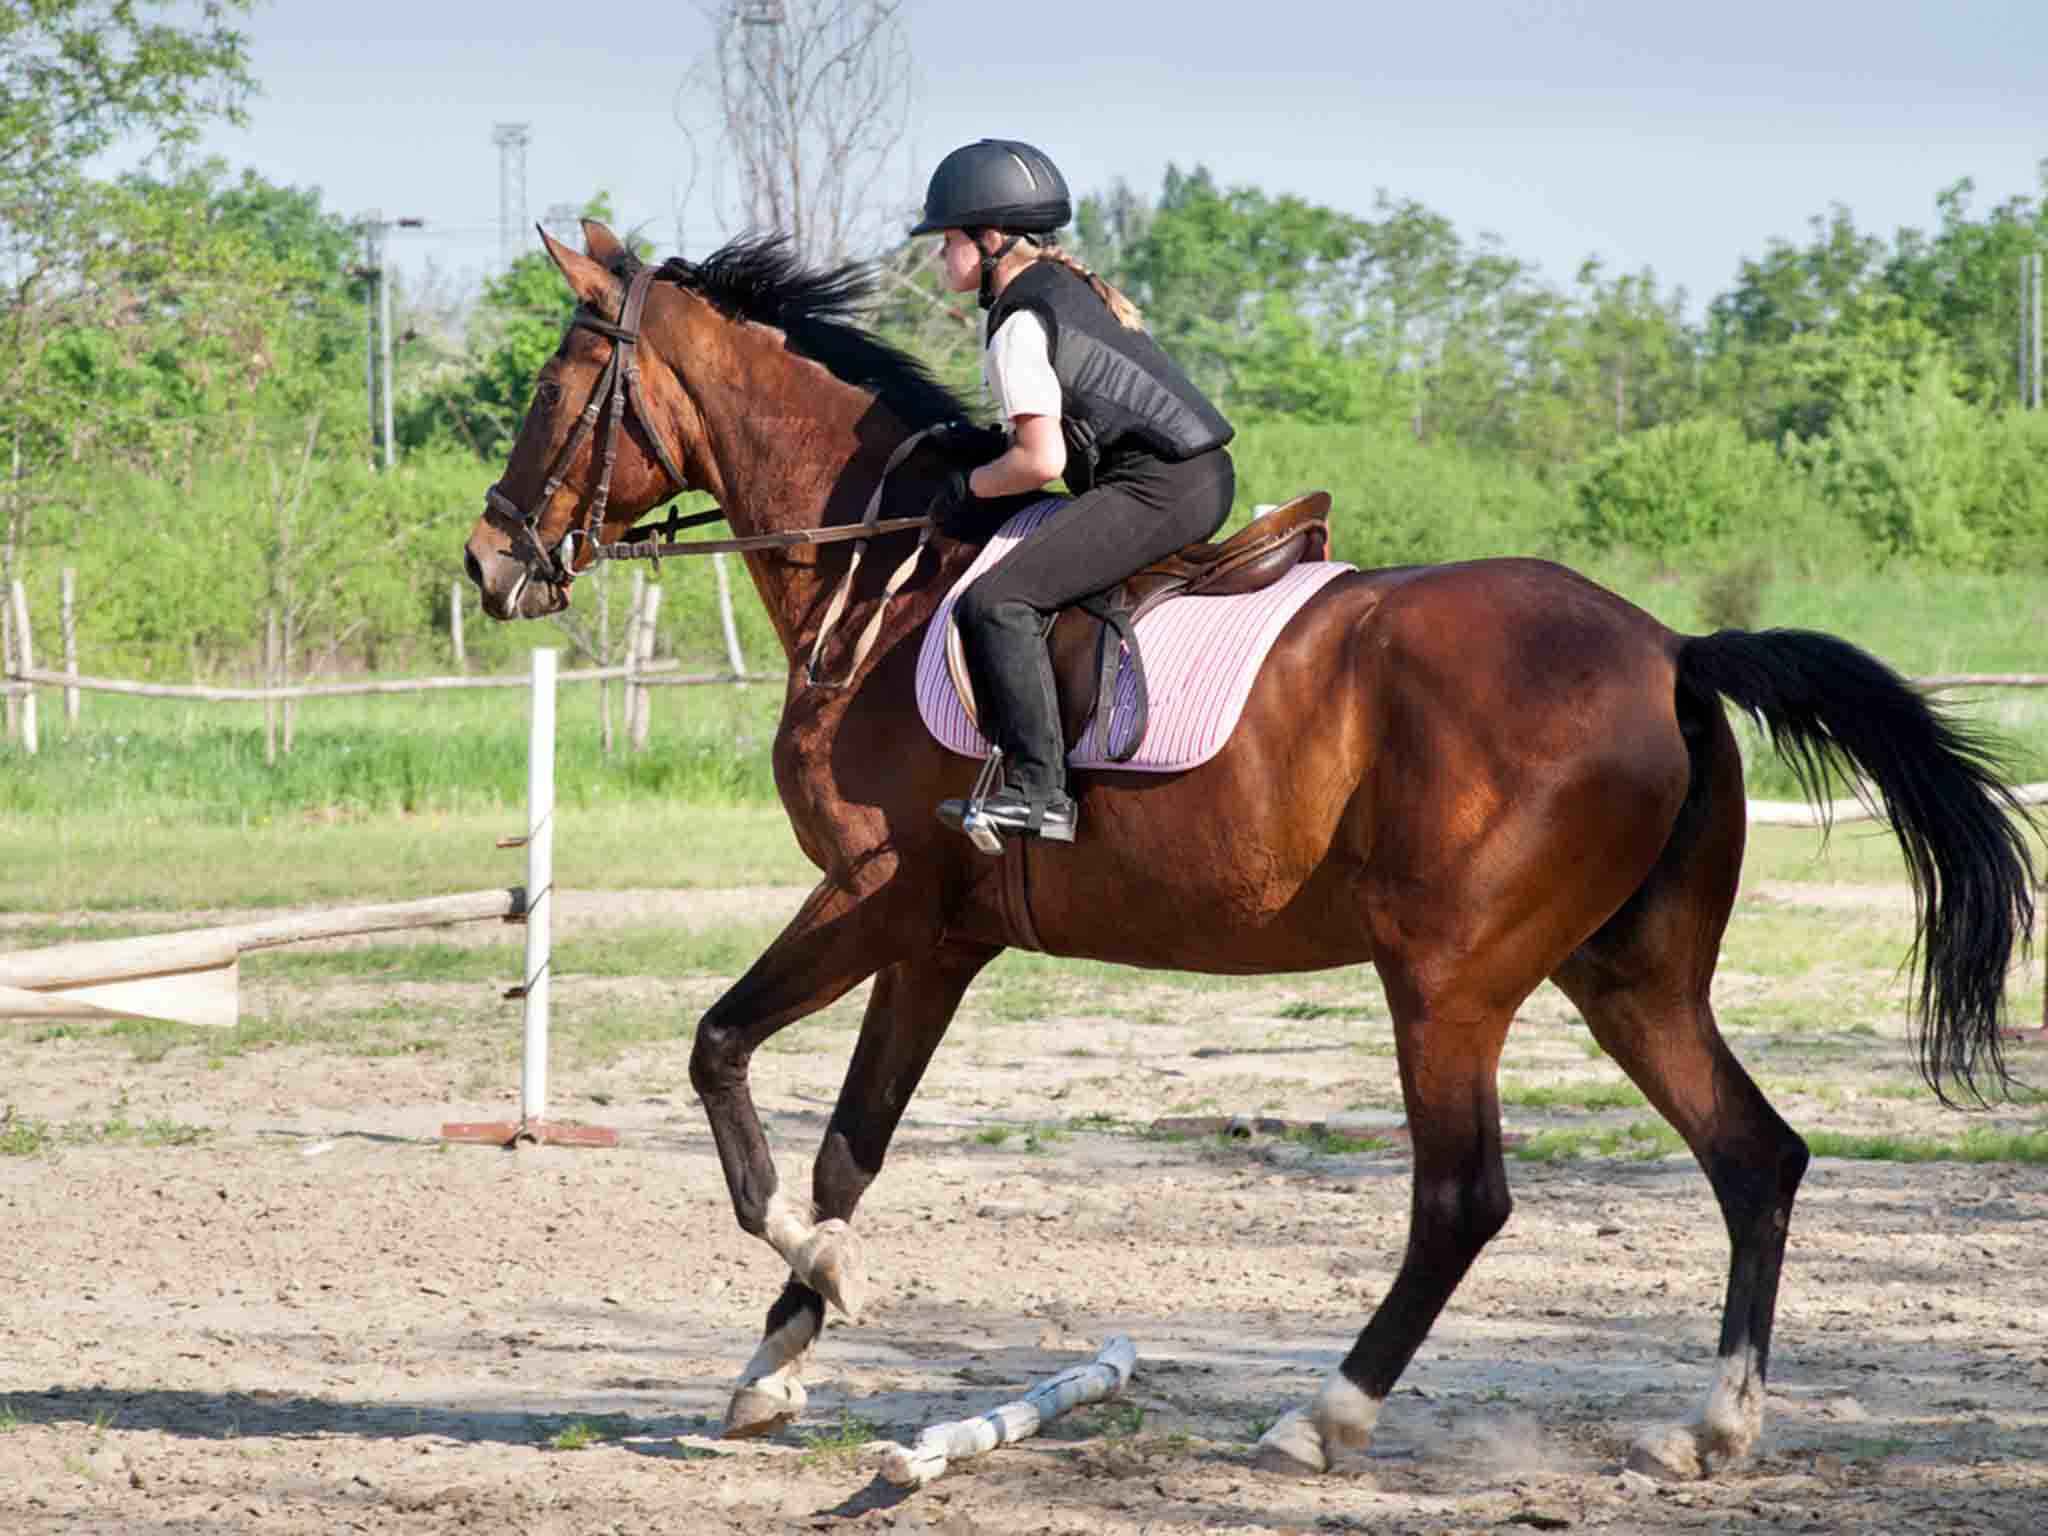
[
  {"x": 972, "y": 445},
  {"x": 958, "y": 512}
]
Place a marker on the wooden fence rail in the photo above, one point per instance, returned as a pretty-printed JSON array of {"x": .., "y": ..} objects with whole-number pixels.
[{"x": 649, "y": 674}]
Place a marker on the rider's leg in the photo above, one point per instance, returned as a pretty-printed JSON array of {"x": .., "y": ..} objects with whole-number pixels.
[{"x": 1097, "y": 539}]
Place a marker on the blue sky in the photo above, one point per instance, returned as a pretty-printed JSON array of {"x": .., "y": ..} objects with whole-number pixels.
[{"x": 1682, "y": 137}]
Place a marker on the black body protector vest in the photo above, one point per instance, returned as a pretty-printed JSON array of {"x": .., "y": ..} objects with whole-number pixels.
[{"x": 1120, "y": 394}]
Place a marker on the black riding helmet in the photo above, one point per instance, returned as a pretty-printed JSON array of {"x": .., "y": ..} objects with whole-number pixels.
[{"x": 999, "y": 184}]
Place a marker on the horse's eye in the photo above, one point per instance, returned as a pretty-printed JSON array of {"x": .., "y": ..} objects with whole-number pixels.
[{"x": 547, "y": 393}]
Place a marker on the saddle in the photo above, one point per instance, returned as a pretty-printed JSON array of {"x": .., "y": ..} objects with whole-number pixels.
[{"x": 1093, "y": 639}]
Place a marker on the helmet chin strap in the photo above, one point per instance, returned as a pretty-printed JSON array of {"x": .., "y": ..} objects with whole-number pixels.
[{"x": 990, "y": 260}]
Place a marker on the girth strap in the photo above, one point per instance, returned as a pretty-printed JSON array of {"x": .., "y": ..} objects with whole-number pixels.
[{"x": 1116, "y": 647}]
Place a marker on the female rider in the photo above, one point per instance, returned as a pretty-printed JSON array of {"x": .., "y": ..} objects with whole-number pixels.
[{"x": 1087, "y": 395}]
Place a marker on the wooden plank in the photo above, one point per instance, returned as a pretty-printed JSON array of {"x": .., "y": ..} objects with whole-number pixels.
[
  {"x": 207, "y": 999},
  {"x": 167, "y": 954},
  {"x": 357, "y": 690},
  {"x": 1797, "y": 813},
  {"x": 111, "y": 960}
]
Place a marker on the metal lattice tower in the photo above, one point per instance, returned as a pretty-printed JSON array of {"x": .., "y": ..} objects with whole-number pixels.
[{"x": 511, "y": 141}]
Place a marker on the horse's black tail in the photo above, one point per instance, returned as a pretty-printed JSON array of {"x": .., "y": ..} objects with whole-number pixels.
[{"x": 1940, "y": 786}]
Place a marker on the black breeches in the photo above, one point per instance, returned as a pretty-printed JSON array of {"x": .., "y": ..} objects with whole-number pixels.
[{"x": 1138, "y": 513}]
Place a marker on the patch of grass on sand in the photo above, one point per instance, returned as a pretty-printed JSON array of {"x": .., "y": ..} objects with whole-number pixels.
[
  {"x": 1605, "y": 1094},
  {"x": 1638, "y": 1141},
  {"x": 582, "y": 1434},
  {"x": 1976, "y": 1146},
  {"x": 31, "y": 1138},
  {"x": 839, "y": 1443}
]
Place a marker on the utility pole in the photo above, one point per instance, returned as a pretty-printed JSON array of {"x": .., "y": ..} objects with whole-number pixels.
[
  {"x": 511, "y": 141},
  {"x": 373, "y": 266},
  {"x": 376, "y": 270}
]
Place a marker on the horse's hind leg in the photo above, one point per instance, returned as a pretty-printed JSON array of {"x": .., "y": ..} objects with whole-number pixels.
[
  {"x": 1449, "y": 1054},
  {"x": 908, "y": 1012},
  {"x": 1642, "y": 985}
]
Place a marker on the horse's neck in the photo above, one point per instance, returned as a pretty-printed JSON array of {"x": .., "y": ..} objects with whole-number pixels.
[{"x": 782, "y": 475}]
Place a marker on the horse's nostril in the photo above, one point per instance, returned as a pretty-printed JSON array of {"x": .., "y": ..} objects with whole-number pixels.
[{"x": 474, "y": 571}]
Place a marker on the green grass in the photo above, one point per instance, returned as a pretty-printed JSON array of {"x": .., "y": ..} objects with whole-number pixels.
[
  {"x": 1587, "y": 1095},
  {"x": 33, "y": 1138},
  {"x": 839, "y": 1443},
  {"x": 1975, "y": 1146},
  {"x": 582, "y": 1434},
  {"x": 107, "y": 863},
  {"x": 1638, "y": 1141}
]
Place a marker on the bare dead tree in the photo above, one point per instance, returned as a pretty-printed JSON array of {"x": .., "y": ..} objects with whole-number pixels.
[{"x": 808, "y": 102}]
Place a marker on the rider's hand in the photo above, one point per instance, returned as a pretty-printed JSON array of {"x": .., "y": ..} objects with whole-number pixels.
[
  {"x": 973, "y": 446},
  {"x": 957, "y": 511}
]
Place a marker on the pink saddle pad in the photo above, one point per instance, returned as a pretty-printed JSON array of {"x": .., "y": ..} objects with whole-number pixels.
[{"x": 1202, "y": 655}]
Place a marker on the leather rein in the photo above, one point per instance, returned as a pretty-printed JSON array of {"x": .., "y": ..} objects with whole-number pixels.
[{"x": 620, "y": 384}]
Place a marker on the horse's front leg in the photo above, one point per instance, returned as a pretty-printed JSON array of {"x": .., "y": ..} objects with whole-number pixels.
[
  {"x": 838, "y": 939},
  {"x": 912, "y": 1003}
]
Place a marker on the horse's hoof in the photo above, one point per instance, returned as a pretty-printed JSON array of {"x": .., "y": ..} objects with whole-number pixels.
[
  {"x": 762, "y": 1407},
  {"x": 831, "y": 1263},
  {"x": 1293, "y": 1446},
  {"x": 1670, "y": 1453}
]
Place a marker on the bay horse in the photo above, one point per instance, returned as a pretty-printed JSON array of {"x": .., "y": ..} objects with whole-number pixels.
[{"x": 1473, "y": 776}]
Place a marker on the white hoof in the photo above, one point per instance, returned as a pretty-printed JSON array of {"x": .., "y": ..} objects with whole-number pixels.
[
  {"x": 830, "y": 1262},
  {"x": 1734, "y": 1420},
  {"x": 1293, "y": 1446},
  {"x": 1670, "y": 1453},
  {"x": 1332, "y": 1434},
  {"x": 762, "y": 1407}
]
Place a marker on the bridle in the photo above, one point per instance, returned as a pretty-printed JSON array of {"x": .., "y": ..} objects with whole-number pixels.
[{"x": 619, "y": 384}]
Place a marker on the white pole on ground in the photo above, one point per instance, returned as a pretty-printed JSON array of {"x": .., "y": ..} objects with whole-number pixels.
[
  {"x": 912, "y": 1466},
  {"x": 540, "y": 886},
  {"x": 24, "y": 649}
]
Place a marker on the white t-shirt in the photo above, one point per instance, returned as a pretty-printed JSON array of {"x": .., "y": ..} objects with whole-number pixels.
[{"x": 1016, "y": 369}]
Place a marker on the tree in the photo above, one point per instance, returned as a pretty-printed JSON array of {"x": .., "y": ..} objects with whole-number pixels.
[
  {"x": 810, "y": 100},
  {"x": 76, "y": 78}
]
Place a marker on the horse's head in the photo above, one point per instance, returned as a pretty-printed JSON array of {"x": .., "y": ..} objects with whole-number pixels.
[{"x": 606, "y": 438}]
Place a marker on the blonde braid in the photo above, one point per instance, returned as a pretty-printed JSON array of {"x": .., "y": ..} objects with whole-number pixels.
[{"x": 1126, "y": 312}]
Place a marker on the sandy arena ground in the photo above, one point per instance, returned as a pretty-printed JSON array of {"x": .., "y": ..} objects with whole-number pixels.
[{"x": 318, "y": 1319}]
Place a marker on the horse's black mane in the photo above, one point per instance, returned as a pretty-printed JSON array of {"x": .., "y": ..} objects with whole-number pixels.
[{"x": 760, "y": 278}]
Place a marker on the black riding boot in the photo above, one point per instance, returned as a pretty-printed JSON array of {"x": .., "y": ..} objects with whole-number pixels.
[{"x": 1019, "y": 708}]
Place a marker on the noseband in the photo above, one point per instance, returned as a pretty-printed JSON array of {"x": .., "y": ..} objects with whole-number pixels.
[{"x": 619, "y": 383}]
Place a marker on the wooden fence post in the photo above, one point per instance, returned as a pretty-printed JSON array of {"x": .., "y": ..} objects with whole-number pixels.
[
  {"x": 284, "y": 679},
  {"x": 24, "y": 648},
  {"x": 643, "y": 714},
  {"x": 8, "y": 667},
  {"x": 269, "y": 681},
  {"x": 734, "y": 659},
  {"x": 70, "y": 624},
  {"x": 631, "y": 647},
  {"x": 455, "y": 626}
]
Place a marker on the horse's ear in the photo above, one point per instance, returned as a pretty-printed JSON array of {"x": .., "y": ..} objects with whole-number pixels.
[
  {"x": 602, "y": 246},
  {"x": 587, "y": 279}
]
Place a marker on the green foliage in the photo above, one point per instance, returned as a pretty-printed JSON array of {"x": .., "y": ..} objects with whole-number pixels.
[
  {"x": 518, "y": 322},
  {"x": 1920, "y": 472},
  {"x": 1676, "y": 486},
  {"x": 1397, "y": 501}
]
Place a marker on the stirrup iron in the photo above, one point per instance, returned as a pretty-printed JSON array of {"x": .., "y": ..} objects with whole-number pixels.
[{"x": 980, "y": 831}]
